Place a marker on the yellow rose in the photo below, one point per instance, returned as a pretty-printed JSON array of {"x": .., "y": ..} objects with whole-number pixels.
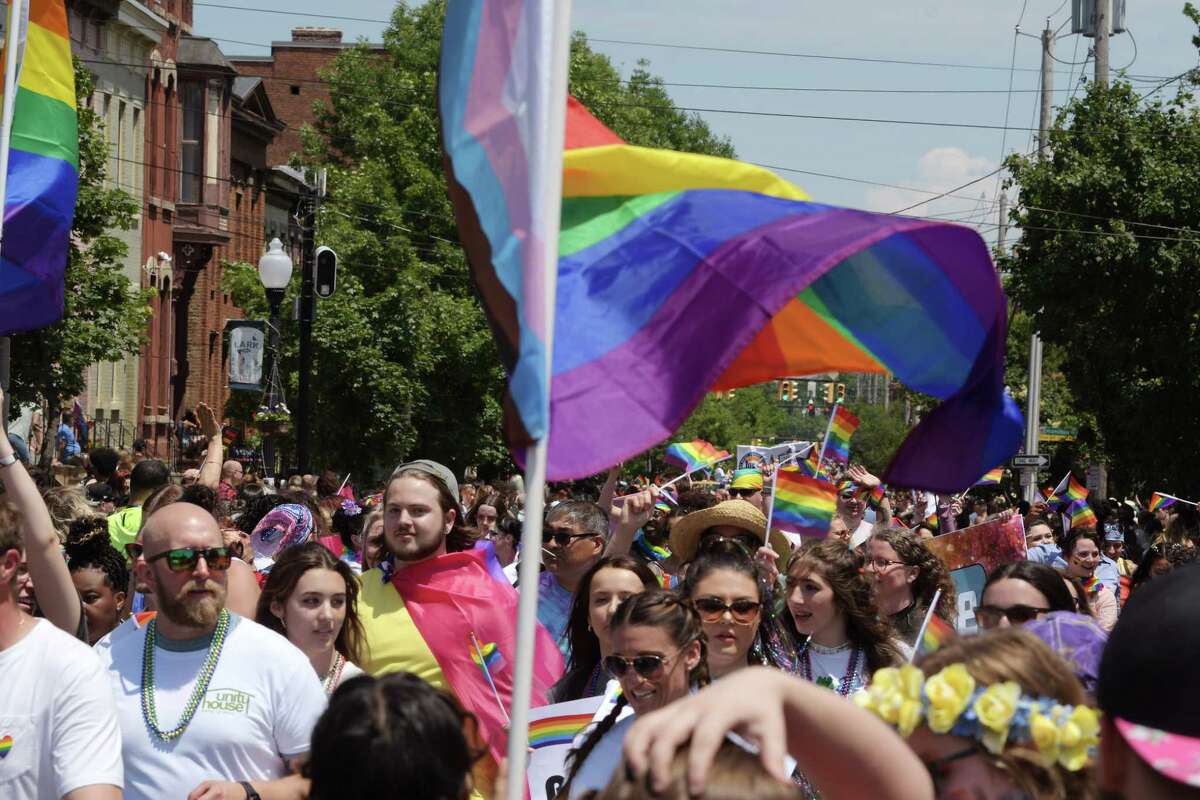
[
  {"x": 1078, "y": 734},
  {"x": 1045, "y": 736},
  {"x": 995, "y": 709},
  {"x": 948, "y": 693},
  {"x": 895, "y": 696}
]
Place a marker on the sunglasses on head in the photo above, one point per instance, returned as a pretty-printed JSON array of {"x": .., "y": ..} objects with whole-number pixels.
[
  {"x": 712, "y": 609},
  {"x": 745, "y": 541},
  {"x": 1019, "y": 614},
  {"x": 185, "y": 559},
  {"x": 562, "y": 538}
]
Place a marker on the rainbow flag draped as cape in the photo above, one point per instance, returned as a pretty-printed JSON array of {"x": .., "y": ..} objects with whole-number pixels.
[
  {"x": 693, "y": 455},
  {"x": 454, "y": 596},
  {"x": 992, "y": 478},
  {"x": 841, "y": 427},
  {"x": 802, "y": 505},
  {"x": 43, "y": 173},
  {"x": 680, "y": 273}
]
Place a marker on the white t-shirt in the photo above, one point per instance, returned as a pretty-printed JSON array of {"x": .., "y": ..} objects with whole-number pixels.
[
  {"x": 58, "y": 722},
  {"x": 259, "y": 710}
]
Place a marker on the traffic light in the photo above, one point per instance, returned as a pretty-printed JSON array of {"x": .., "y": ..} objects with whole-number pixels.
[
  {"x": 325, "y": 274},
  {"x": 785, "y": 391},
  {"x": 829, "y": 393},
  {"x": 841, "y": 392}
]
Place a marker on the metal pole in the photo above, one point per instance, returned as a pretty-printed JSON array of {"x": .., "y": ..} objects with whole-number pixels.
[
  {"x": 1103, "y": 18},
  {"x": 1047, "y": 89},
  {"x": 306, "y": 323},
  {"x": 1002, "y": 224}
]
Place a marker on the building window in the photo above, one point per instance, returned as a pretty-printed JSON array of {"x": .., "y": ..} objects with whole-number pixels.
[
  {"x": 120, "y": 144},
  {"x": 192, "y": 144},
  {"x": 295, "y": 89}
]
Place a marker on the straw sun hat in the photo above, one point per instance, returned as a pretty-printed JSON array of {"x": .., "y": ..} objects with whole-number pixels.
[{"x": 685, "y": 534}]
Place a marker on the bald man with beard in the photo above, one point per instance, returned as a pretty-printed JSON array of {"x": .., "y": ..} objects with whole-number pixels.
[{"x": 210, "y": 704}]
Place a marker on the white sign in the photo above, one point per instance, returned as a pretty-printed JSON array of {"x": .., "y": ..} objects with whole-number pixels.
[
  {"x": 552, "y": 729},
  {"x": 247, "y": 340}
]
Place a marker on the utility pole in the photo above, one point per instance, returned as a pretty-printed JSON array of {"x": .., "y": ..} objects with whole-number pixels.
[
  {"x": 1103, "y": 21},
  {"x": 1002, "y": 225},
  {"x": 1033, "y": 406},
  {"x": 308, "y": 223}
]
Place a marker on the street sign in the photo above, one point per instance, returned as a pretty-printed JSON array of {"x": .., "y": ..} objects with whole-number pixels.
[{"x": 1024, "y": 460}]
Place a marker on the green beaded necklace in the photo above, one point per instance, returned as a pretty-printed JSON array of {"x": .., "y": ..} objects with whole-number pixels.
[{"x": 149, "y": 713}]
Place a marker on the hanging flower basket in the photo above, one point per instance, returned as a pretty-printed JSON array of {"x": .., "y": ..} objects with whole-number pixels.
[{"x": 273, "y": 423}]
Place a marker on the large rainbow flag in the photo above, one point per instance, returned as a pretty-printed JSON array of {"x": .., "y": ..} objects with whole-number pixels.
[
  {"x": 802, "y": 505},
  {"x": 43, "y": 173},
  {"x": 680, "y": 273}
]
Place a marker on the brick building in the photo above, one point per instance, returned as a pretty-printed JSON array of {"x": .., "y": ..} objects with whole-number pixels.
[{"x": 290, "y": 77}]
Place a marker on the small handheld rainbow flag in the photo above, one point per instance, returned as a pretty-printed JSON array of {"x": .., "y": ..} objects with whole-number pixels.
[
  {"x": 802, "y": 505},
  {"x": 1092, "y": 585},
  {"x": 873, "y": 498},
  {"x": 992, "y": 477},
  {"x": 932, "y": 521},
  {"x": 809, "y": 465},
  {"x": 936, "y": 634},
  {"x": 841, "y": 427},
  {"x": 488, "y": 658},
  {"x": 1079, "y": 515},
  {"x": 1068, "y": 491},
  {"x": 693, "y": 455},
  {"x": 1159, "y": 501},
  {"x": 557, "y": 730}
]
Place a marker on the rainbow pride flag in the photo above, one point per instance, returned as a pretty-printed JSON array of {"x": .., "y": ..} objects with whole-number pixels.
[
  {"x": 1092, "y": 585},
  {"x": 936, "y": 634},
  {"x": 802, "y": 505},
  {"x": 659, "y": 255},
  {"x": 43, "y": 173},
  {"x": 1068, "y": 491},
  {"x": 992, "y": 477},
  {"x": 487, "y": 657},
  {"x": 842, "y": 426},
  {"x": 557, "y": 730},
  {"x": 693, "y": 455},
  {"x": 809, "y": 465},
  {"x": 1160, "y": 501},
  {"x": 1079, "y": 515},
  {"x": 871, "y": 497}
]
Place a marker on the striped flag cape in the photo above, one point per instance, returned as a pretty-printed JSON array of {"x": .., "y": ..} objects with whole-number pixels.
[
  {"x": 655, "y": 243},
  {"x": 43, "y": 173}
]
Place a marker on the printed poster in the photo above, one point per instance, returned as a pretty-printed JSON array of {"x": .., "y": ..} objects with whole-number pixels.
[{"x": 972, "y": 553}]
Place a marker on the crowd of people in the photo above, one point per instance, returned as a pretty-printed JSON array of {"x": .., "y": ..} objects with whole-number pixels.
[{"x": 210, "y": 637}]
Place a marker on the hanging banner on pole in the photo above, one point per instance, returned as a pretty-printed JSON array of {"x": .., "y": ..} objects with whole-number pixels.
[{"x": 247, "y": 343}]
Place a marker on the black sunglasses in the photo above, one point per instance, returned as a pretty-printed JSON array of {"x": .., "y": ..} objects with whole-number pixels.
[
  {"x": 649, "y": 667},
  {"x": 185, "y": 559},
  {"x": 939, "y": 767},
  {"x": 562, "y": 538},
  {"x": 1019, "y": 614},
  {"x": 133, "y": 551},
  {"x": 711, "y": 609},
  {"x": 744, "y": 492}
]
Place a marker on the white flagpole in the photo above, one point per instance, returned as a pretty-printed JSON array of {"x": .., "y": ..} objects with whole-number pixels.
[
  {"x": 1176, "y": 499},
  {"x": 928, "y": 616},
  {"x": 825, "y": 441},
  {"x": 16, "y": 16},
  {"x": 12, "y": 44},
  {"x": 554, "y": 44}
]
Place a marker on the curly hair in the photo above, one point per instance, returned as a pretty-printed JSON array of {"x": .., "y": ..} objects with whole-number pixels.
[
  {"x": 677, "y": 618},
  {"x": 1014, "y": 654},
  {"x": 88, "y": 545},
  {"x": 66, "y": 504},
  {"x": 931, "y": 572},
  {"x": 841, "y": 568}
]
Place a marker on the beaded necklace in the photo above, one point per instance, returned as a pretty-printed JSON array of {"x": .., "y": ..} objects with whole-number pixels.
[
  {"x": 334, "y": 675},
  {"x": 806, "y": 671},
  {"x": 149, "y": 712}
]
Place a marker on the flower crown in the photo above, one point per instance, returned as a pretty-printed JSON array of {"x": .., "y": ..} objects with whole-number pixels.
[
  {"x": 951, "y": 702},
  {"x": 351, "y": 508}
]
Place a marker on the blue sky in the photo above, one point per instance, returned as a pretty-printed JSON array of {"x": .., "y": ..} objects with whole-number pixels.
[{"x": 964, "y": 33}]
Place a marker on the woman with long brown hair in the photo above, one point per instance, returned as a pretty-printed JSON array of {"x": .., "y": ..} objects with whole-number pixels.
[
  {"x": 311, "y": 598},
  {"x": 906, "y": 576},
  {"x": 841, "y": 638}
]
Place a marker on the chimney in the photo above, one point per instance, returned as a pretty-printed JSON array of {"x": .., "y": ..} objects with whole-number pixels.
[{"x": 317, "y": 35}]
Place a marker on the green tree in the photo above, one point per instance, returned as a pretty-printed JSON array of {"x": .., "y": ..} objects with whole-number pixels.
[
  {"x": 1105, "y": 269},
  {"x": 404, "y": 361},
  {"x": 104, "y": 318}
]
